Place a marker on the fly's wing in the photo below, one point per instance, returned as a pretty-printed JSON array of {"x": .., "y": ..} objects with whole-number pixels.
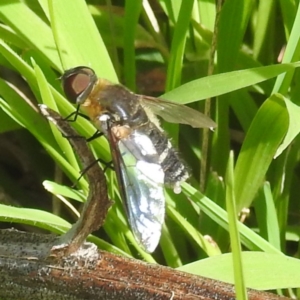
[
  {"x": 141, "y": 187},
  {"x": 176, "y": 113}
]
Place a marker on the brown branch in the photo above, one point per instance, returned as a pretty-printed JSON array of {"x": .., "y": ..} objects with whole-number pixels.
[
  {"x": 25, "y": 274},
  {"x": 95, "y": 208}
]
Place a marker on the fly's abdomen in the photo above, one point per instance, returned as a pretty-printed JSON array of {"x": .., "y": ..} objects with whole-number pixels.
[{"x": 173, "y": 166}]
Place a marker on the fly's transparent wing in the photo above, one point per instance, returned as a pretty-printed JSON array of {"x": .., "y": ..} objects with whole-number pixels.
[
  {"x": 145, "y": 200},
  {"x": 176, "y": 113},
  {"x": 141, "y": 186}
]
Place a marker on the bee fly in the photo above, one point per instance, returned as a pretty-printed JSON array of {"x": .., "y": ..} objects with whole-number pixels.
[{"x": 143, "y": 157}]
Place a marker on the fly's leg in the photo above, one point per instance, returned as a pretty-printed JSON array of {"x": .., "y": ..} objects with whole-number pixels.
[
  {"x": 72, "y": 117},
  {"x": 95, "y": 136},
  {"x": 108, "y": 165}
]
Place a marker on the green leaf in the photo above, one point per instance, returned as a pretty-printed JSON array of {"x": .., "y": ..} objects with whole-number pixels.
[
  {"x": 7, "y": 123},
  {"x": 24, "y": 21},
  {"x": 291, "y": 54},
  {"x": 263, "y": 271},
  {"x": 259, "y": 147},
  {"x": 178, "y": 44},
  {"x": 33, "y": 217},
  {"x": 294, "y": 124},
  {"x": 19, "y": 110},
  {"x": 264, "y": 14},
  {"x": 219, "y": 84},
  {"x": 77, "y": 38},
  {"x": 49, "y": 101},
  {"x": 132, "y": 13},
  {"x": 66, "y": 191},
  {"x": 265, "y": 211},
  {"x": 209, "y": 248},
  {"x": 233, "y": 23},
  {"x": 239, "y": 280},
  {"x": 9, "y": 36},
  {"x": 248, "y": 237}
]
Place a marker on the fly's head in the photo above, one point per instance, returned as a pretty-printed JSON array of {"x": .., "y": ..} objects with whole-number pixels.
[{"x": 78, "y": 83}]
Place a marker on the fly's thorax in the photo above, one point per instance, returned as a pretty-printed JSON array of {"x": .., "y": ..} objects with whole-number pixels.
[
  {"x": 116, "y": 100},
  {"x": 92, "y": 107}
]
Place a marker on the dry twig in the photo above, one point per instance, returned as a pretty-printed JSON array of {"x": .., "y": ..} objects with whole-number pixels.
[{"x": 95, "y": 208}]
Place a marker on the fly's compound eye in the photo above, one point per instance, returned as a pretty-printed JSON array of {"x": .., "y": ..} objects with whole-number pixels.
[{"x": 78, "y": 83}]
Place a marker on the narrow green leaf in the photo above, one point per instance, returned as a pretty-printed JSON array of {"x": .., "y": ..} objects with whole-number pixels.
[
  {"x": 232, "y": 26},
  {"x": 178, "y": 43},
  {"x": 294, "y": 124},
  {"x": 171, "y": 8},
  {"x": 66, "y": 191},
  {"x": 193, "y": 233},
  {"x": 264, "y": 15},
  {"x": 132, "y": 13},
  {"x": 291, "y": 54},
  {"x": 219, "y": 84},
  {"x": 265, "y": 211},
  {"x": 207, "y": 13},
  {"x": 260, "y": 145},
  {"x": 239, "y": 280},
  {"x": 169, "y": 249},
  {"x": 248, "y": 237},
  {"x": 33, "y": 217}
]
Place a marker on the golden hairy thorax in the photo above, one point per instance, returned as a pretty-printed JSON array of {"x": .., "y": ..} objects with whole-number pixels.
[{"x": 92, "y": 106}]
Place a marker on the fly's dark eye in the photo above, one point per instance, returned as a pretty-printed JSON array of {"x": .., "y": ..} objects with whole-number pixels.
[{"x": 78, "y": 83}]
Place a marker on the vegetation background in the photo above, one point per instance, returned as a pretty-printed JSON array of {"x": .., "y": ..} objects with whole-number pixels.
[{"x": 247, "y": 68}]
